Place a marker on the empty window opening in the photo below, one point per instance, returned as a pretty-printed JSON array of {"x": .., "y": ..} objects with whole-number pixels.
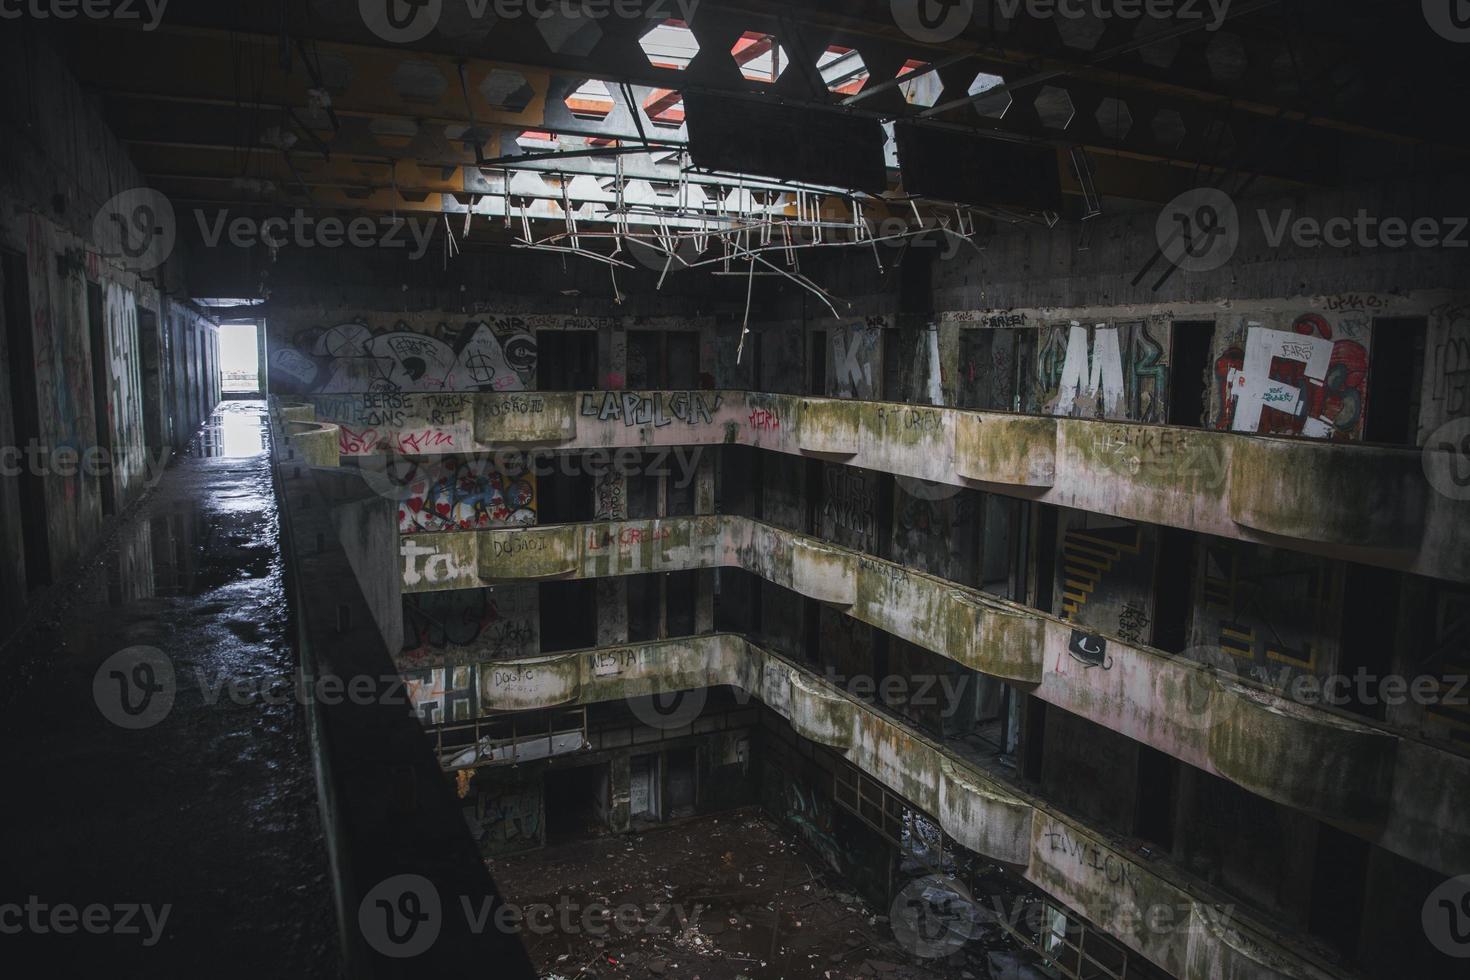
[{"x": 239, "y": 358}]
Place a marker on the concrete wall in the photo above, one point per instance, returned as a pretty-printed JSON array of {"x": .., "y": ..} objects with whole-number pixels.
[{"x": 119, "y": 370}]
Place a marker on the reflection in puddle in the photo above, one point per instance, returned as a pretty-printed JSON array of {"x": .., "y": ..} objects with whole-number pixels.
[
  {"x": 235, "y": 431},
  {"x": 191, "y": 553}
]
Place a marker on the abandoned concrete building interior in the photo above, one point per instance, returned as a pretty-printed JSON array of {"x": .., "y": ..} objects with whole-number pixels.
[{"x": 576, "y": 489}]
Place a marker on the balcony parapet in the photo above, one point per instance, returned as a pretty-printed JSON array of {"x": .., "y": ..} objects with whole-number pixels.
[
  {"x": 314, "y": 442},
  {"x": 1366, "y": 778},
  {"x": 1368, "y": 504},
  {"x": 1103, "y": 879}
]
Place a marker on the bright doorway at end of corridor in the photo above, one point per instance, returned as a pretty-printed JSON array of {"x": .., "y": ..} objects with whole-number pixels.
[{"x": 239, "y": 359}]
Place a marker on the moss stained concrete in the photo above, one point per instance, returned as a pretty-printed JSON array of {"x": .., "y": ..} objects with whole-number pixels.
[
  {"x": 1364, "y": 778},
  {"x": 1181, "y": 924},
  {"x": 1362, "y": 503}
]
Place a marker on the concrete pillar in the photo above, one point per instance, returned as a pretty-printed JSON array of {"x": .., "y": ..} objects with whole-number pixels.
[{"x": 620, "y": 792}]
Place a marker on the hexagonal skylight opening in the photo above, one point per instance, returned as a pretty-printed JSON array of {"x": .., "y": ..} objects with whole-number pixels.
[
  {"x": 1226, "y": 56},
  {"x": 591, "y": 100},
  {"x": 994, "y": 105},
  {"x": 1054, "y": 107},
  {"x": 575, "y": 36},
  {"x": 536, "y": 140},
  {"x": 1160, "y": 53},
  {"x": 1114, "y": 118},
  {"x": 1168, "y": 127},
  {"x": 922, "y": 90},
  {"x": 1082, "y": 33},
  {"x": 760, "y": 57},
  {"x": 670, "y": 44},
  {"x": 507, "y": 90},
  {"x": 418, "y": 81},
  {"x": 540, "y": 140},
  {"x": 665, "y": 107},
  {"x": 843, "y": 70}
]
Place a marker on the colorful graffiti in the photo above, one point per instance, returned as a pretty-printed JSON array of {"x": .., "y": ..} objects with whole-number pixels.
[
  {"x": 442, "y": 694},
  {"x": 1311, "y": 380},
  {"x": 1107, "y": 372},
  {"x": 1267, "y": 609},
  {"x": 468, "y": 494},
  {"x": 499, "y": 355},
  {"x": 1105, "y": 578}
]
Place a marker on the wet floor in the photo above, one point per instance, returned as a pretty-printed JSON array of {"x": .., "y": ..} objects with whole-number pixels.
[{"x": 184, "y": 833}]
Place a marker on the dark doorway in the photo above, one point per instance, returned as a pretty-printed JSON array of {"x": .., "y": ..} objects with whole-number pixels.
[
  {"x": 644, "y": 597},
  {"x": 1033, "y": 737},
  {"x": 681, "y": 783},
  {"x": 1395, "y": 375},
  {"x": 568, "y": 616},
  {"x": 1155, "y": 806},
  {"x": 567, "y": 496},
  {"x": 26, "y": 417},
  {"x": 1369, "y": 626},
  {"x": 645, "y": 359},
  {"x": 576, "y": 803},
  {"x": 1189, "y": 372},
  {"x": 681, "y": 590},
  {"x": 566, "y": 360},
  {"x": 644, "y": 789},
  {"x": 682, "y": 360},
  {"x": 1174, "y": 587},
  {"x": 1339, "y": 877}
]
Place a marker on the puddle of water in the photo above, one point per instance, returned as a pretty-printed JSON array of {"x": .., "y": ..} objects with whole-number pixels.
[{"x": 235, "y": 431}]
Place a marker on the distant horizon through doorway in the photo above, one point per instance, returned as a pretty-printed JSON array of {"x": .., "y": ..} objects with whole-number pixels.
[{"x": 239, "y": 350}]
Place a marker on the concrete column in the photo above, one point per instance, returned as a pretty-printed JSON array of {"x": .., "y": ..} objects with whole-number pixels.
[
  {"x": 704, "y": 503},
  {"x": 619, "y": 787},
  {"x": 611, "y": 504}
]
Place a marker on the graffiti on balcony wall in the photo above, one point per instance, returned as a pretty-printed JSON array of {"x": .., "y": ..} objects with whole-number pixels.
[
  {"x": 469, "y": 494},
  {"x": 443, "y": 694},
  {"x": 811, "y": 814},
  {"x": 1105, "y": 579},
  {"x": 1267, "y": 610},
  {"x": 611, "y": 503},
  {"x": 510, "y": 819},
  {"x": 934, "y": 536},
  {"x": 478, "y": 356},
  {"x": 497, "y": 624},
  {"x": 850, "y": 507},
  {"x": 763, "y": 420},
  {"x": 1118, "y": 372},
  {"x": 1448, "y": 367},
  {"x": 1308, "y": 380},
  {"x": 634, "y": 408},
  {"x": 1065, "y": 847},
  {"x": 988, "y": 369},
  {"x": 857, "y": 365}
]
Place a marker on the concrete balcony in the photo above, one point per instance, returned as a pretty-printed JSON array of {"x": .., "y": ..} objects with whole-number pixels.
[
  {"x": 1365, "y": 778},
  {"x": 1104, "y": 880},
  {"x": 1363, "y": 503},
  {"x": 823, "y": 572},
  {"x": 524, "y": 419}
]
